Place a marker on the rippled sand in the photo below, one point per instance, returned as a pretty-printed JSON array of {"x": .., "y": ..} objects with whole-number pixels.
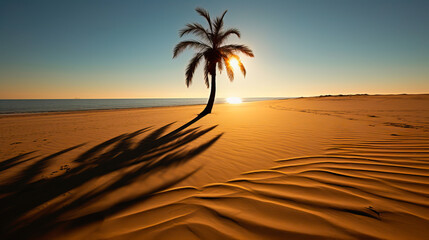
[{"x": 344, "y": 167}]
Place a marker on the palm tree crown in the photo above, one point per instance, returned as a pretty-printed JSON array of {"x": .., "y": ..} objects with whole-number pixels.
[{"x": 211, "y": 47}]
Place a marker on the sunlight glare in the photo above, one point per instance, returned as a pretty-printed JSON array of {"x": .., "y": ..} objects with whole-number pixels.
[
  {"x": 234, "y": 100},
  {"x": 234, "y": 62}
]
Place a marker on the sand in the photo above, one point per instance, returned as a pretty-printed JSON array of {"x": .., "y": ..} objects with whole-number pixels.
[{"x": 340, "y": 167}]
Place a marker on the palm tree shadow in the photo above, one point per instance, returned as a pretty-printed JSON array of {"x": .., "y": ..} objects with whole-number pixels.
[{"x": 31, "y": 207}]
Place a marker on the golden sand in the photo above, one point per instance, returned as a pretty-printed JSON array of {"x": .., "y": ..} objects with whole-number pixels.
[{"x": 342, "y": 167}]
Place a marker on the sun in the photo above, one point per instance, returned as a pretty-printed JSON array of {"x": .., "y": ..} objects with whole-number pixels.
[
  {"x": 233, "y": 62},
  {"x": 234, "y": 100}
]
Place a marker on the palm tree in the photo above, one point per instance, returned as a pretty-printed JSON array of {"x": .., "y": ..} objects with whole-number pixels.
[{"x": 211, "y": 47}]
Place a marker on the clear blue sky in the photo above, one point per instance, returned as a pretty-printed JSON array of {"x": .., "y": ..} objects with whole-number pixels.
[{"x": 123, "y": 49}]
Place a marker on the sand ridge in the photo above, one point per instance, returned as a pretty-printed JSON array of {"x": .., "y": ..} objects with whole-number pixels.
[
  {"x": 340, "y": 195},
  {"x": 309, "y": 168}
]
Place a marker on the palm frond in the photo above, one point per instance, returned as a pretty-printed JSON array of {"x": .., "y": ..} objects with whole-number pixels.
[
  {"x": 223, "y": 36},
  {"x": 242, "y": 68},
  {"x": 181, "y": 46},
  {"x": 225, "y": 52},
  {"x": 190, "y": 69},
  {"x": 220, "y": 65},
  {"x": 196, "y": 29},
  {"x": 235, "y": 48},
  {"x": 206, "y": 15},
  {"x": 240, "y": 64},
  {"x": 218, "y": 24},
  {"x": 228, "y": 67},
  {"x": 210, "y": 47}
]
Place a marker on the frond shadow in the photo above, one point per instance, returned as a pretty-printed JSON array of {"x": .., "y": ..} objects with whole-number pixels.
[{"x": 31, "y": 207}]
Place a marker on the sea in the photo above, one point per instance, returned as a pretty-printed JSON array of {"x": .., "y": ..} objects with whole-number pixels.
[{"x": 18, "y": 106}]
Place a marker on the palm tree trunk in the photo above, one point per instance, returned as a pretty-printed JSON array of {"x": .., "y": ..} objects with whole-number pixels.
[{"x": 209, "y": 105}]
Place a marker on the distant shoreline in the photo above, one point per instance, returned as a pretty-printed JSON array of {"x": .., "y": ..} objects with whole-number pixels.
[
  {"x": 55, "y": 112},
  {"x": 14, "y": 107},
  {"x": 220, "y": 101},
  {"x": 91, "y": 111}
]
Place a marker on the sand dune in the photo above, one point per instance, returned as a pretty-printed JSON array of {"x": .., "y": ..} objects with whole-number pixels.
[
  {"x": 349, "y": 167},
  {"x": 340, "y": 195}
]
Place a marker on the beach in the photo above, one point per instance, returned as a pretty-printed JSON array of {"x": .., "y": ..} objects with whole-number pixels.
[{"x": 330, "y": 167}]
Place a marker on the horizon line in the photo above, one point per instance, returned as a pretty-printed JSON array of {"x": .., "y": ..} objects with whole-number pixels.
[
  {"x": 126, "y": 98},
  {"x": 340, "y": 94}
]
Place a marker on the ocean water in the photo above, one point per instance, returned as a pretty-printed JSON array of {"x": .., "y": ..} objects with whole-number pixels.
[{"x": 61, "y": 105}]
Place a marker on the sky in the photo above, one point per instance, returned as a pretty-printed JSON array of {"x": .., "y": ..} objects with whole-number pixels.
[{"x": 123, "y": 49}]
